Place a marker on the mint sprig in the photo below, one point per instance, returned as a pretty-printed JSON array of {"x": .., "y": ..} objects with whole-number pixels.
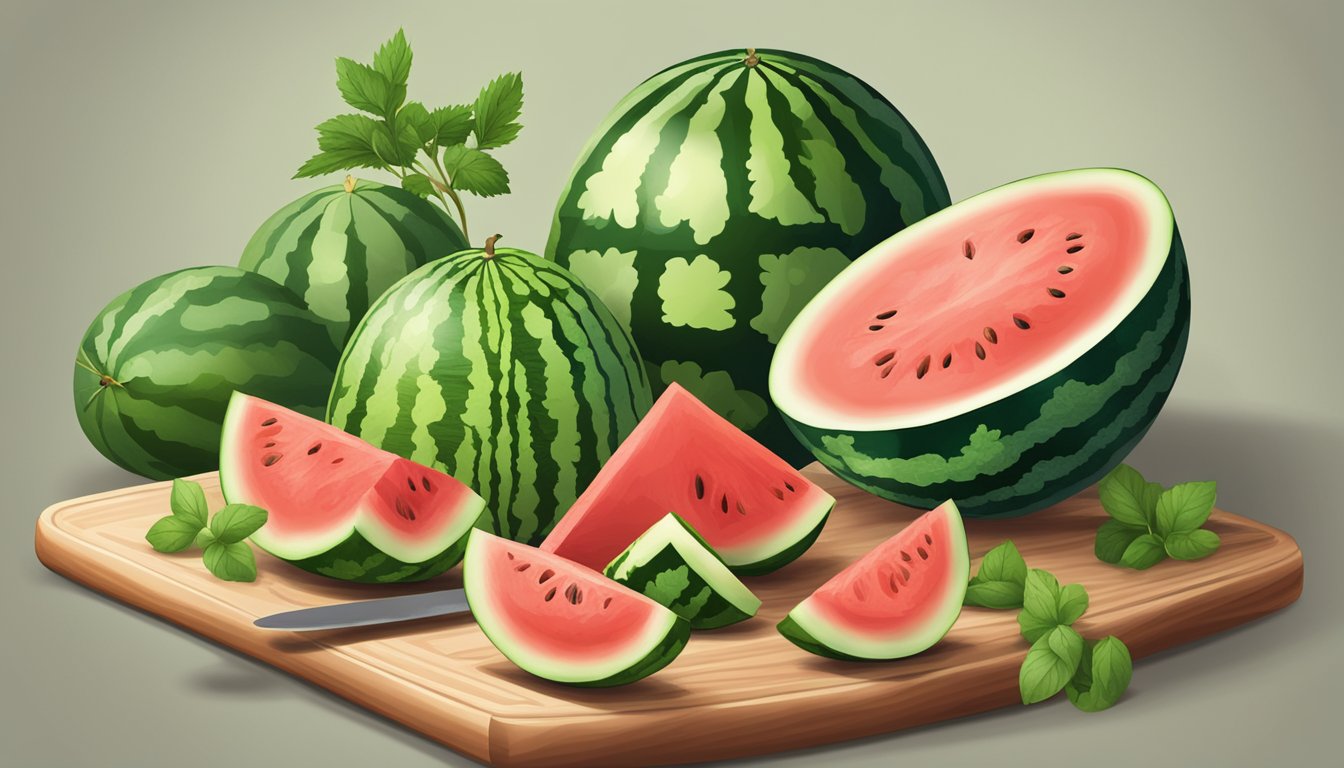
[
  {"x": 1001, "y": 579},
  {"x": 440, "y": 152},
  {"x": 221, "y": 539},
  {"x": 1149, "y": 524}
]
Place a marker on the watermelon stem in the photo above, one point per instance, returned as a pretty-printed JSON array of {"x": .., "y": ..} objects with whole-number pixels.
[
  {"x": 752, "y": 59},
  {"x": 349, "y": 184},
  {"x": 490, "y": 247}
]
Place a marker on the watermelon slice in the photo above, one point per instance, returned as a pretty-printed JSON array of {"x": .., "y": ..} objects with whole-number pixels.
[
  {"x": 895, "y": 601},
  {"x": 562, "y": 621},
  {"x": 338, "y": 506},
  {"x": 1005, "y": 352},
  {"x": 757, "y": 512},
  {"x": 673, "y": 565}
]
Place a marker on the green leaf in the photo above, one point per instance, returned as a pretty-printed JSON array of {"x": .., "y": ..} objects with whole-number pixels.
[
  {"x": 1185, "y": 507},
  {"x": 231, "y": 562},
  {"x": 453, "y": 124},
  {"x": 187, "y": 501},
  {"x": 1123, "y": 496},
  {"x": 417, "y": 184},
  {"x": 1040, "y": 597},
  {"x": 367, "y": 89},
  {"x": 1050, "y": 664},
  {"x": 1151, "y": 493},
  {"x": 173, "y": 533},
  {"x": 399, "y": 150},
  {"x": 347, "y": 133},
  {"x": 1103, "y": 676},
  {"x": 1113, "y": 538},
  {"x": 393, "y": 60},
  {"x": 1144, "y": 552},
  {"x": 236, "y": 522},
  {"x": 415, "y": 114},
  {"x": 497, "y": 108},
  {"x": 471, "y": 170},
  {"x": 1000, "y": 595},
  {"x": 343, "y": 160},
  {"x": 1035, "y": 627},
  {"x": 205, "y": 538},
  {"x": 1192, "y": 545},
  {"x": 1072, "y": 604}
]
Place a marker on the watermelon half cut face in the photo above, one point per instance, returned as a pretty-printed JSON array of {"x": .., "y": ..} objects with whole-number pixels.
[
  {"x": 338, "y": 506},
  {"x": 1005, "y": 352},
  {"x": 898, "y": 600},
  {"x": 757, "y": 512},
  {"x": 562, "y": 621}
]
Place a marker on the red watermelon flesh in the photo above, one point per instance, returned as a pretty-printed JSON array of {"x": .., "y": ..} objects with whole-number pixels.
[
  {"x": 754, "y": 509},
  {"x": 321, "y": 485},
  {"x": 562, "y": 621}
]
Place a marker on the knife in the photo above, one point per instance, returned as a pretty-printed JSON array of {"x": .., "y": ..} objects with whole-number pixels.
[{"x": 365, "y": 613}]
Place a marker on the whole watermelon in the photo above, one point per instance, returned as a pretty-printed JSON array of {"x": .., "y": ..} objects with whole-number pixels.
[
  {"x": 155, "y": 370},
  {"x": 340, "y": 247},
  {"x": 719, "y": 196},
  {"x": 501, "y": 369}
]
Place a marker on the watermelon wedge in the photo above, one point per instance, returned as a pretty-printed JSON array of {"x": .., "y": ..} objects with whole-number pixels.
[
  {"x": 562, "y": 621},
  {"x": 898, "y": 600},
  {"x": 757, "y": 512},
  {"x": 338, "y": 506}
]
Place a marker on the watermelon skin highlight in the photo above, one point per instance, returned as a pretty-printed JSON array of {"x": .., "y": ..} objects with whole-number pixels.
[
  {"x": 339, "y": 507},
  {"x": 899, "y": 599},
  {"x": 1047, "y": 441},
  {"x": 564, "y": 622},
  {"x": 672, "y": 564},
  {"x": 340, "y": 247},
  {"x": 718, "y": 196},
  {"x": 157, "y": 366},
  {"x": 504, "y": 372}
]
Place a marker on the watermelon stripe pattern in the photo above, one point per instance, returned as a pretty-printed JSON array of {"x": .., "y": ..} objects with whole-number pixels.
[
  {"x": 719, "y": 196},
  {"x": 155, "y": 370},
  {"x": 503, "y": 372},
  {"x": 1036, "y": 448},
  {"x": 339, "y": 248}
]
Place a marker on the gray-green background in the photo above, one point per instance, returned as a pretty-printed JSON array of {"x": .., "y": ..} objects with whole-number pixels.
[{"x": 140, "y": 138}]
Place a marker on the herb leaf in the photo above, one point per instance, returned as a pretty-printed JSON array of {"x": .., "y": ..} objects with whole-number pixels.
[
  {"x": 393, "y": 60},
  {"x": 1185, "y": 507},
  {"x": 1001, "y": 579},
  {"x": 1103, "y": 676},
  {"x": 1113, "y": 538},
  {"x": 1124, "y": 496},
  {"x": 1040, "y": 605},
  {"x": 236, "y": 522},
  {"x": 230, "y": 561},
  {"x": 471, "y": 170},
  {"x": 187, "y": 501},
  {"x": 497, "y": 109},
  {"x": 1050, "y": 664},
  {"x": 367, "y": 89},
  {"x": 205, "y": 538},
  {"x": 999, "y": 595},
  {"x": 415, "y": 114},
  {"x": 417, "y": 184},
  {"x": 1144, "y": 552},
  {"x": 1072, "y": 604},
  {"x": 173, "y": 533},
  {"x": 452, "y": 124},
  {"x": 343, "y": 160},
  {"x": 1192, "y": 545}
]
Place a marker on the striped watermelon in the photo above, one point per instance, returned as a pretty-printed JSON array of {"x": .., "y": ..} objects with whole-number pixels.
[
  {"x": 340, "y": 247},
  {"x": 719, "y": 196},
  {"x": 1006, "y": 352},
  {"x": 155, "y": 370},
  {"x": 501, "y": 369}
]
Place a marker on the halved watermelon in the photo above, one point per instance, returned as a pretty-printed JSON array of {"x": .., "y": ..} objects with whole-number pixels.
[
  {"x": 1006, "y": 352},
  {"x": 757, "y": 512},
  {"x": 562, "y": 621},
  {"x": 338, "y": 506},
  {"x": 895, "y": 601}
]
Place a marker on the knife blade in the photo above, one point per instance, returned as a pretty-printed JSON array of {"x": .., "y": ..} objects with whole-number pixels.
[{"x": 365, "y": 613}]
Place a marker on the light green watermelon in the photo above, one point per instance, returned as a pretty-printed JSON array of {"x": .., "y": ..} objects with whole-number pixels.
[
  {"x": 672, "y": 564},
  {"x": 501, "y": 369},
  {"x": 719, "y": 196},
  {"x": 156, "y": 368},
  {"x": 341, "y": 247}
]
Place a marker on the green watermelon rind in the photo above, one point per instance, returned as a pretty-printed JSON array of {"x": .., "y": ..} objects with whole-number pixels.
[
  {"x": 1045, "y": 443},
  {"x": 712, "y": 596},
  {"x": 662, "y": 641},
  {"x": 356, "y": 560},
  {"x": 358, "y": 242},
  {"x": 178, "y": 346},
  {"x": 876, "y": 176},
  {"x": 795, "y": 550},
  {"x": 809, "y": 630}
]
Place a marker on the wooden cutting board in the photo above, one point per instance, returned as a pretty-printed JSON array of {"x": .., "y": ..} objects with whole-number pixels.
[{"x": 739, "y": 691}]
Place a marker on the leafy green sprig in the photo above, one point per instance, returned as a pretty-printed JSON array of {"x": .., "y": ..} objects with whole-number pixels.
[
  {"x": 439, "y": 153},
  {"x": 1149, "y": 523},
  {"x": 1094, "y": 675},
  {"x": 220, "y": 538}
]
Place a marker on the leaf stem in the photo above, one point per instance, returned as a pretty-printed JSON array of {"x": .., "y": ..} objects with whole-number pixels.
[{"x": 457, "y": 201}]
